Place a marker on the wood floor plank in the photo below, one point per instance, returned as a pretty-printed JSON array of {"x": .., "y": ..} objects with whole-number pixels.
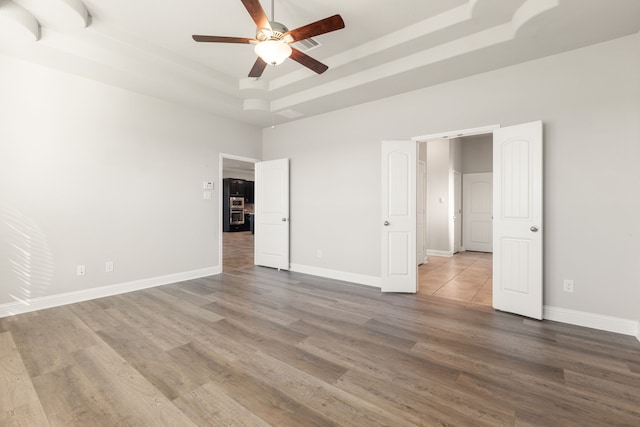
[
  {"x": 19, "y": 402},
  {"x": 253, "y": 392},
  {"x": 47, "y": 338},
  {"x": 70, "y": 399},
  {"x": 367, "y": 357},
  {"x": 126, "y": 391},
  {"x": 429, "y": 404},
  {"x": 350, "y": 334},
  {"x": 179, "y": 291},
  {"x": 166, "y": 374},
  {"x": 210, "y": 405},
  {"x": 552, "y": 404},
  {"x": 495, "y": 361},
  {"x": 282, "y": 350},
  {"x": 262, "y": 327},
  {"x": 625, "y": 397},
  {"x": 634, "y": 366},
  {"x": 341, "y": 407},
  {"x": 267, "y": 308}
]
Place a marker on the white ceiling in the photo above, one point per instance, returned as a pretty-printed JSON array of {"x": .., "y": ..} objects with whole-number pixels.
[{"x": 386, "y": 48}]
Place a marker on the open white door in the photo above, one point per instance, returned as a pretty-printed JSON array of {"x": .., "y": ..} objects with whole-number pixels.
[
  {"x": 272, "y": 214},
  {"x": 518, "y": 228},
  {"x": 398, "y": 222}
]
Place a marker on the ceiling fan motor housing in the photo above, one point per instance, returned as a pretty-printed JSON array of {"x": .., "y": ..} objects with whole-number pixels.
[{"x": 276, "y": 32}]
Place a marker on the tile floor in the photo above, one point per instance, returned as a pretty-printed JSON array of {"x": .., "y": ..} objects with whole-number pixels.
[{"x": 466, "y": 276}]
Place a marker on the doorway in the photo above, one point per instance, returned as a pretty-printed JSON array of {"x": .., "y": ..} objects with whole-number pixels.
[
  {"x": 237, "y": 180},
  {"x": 517, "y": 224},
  {"x": 457, "y": 268}
]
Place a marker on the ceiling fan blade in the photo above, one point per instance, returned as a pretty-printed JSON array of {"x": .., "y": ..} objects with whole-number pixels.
[
  {"x": 258, "y": 68},
  {"x": 307, "y": 61},
  {"x": 221, "y": 39},
  {"x": 322, "y": 26},
  {"x": 257, "y": 13}
]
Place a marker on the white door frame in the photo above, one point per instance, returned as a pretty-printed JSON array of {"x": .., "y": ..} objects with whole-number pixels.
[
  {"x": 455, "y": 215},
  {"x": 217, "y": 195},
  {"x": 452, "y": 134},
  {"x": 421, "y": 216}
]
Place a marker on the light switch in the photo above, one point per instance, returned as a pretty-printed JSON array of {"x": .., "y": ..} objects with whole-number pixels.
[{"x": 206, "y": 195}]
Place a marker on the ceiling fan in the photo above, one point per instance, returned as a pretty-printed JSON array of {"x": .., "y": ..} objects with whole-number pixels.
[{"x": 273, "y": 40}]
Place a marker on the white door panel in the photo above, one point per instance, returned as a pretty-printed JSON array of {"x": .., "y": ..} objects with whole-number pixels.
[
  {"x": 518, "y": 228},
  {"x": 478, "y": 211},
  {"x": 398, "y": 222},
  {"x": 271, "y": 220}
]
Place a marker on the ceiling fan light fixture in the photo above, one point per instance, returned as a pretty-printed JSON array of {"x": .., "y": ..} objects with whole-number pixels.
[{"x": 273, "y": 52}]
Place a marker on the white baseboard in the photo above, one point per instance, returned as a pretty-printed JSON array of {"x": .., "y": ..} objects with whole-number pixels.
[
  {"x": 432, "y": 252},
  {"x": 591, "y": 320},
  {"x": 572, "y": 317},
  {"x": 360, "y": 279},
  {"x": 41, "y": 303}
]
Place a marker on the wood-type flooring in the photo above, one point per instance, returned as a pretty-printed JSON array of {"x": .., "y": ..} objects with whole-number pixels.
[
  {"x": 258, "y": 347},
  {"x": 237, "y": 250}
]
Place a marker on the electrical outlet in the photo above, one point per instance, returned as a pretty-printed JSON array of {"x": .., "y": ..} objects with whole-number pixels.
[
  {"x": 80, "y": 270},
  {"x": 108, "y": 266},
  {"x": 319, "y": 253},
  {"x": 567, "y": 285}
]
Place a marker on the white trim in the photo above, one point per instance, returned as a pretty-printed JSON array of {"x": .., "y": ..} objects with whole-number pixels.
[
  {"x": 433, "y": 252},
  {"x": 592, "y": 320},
  {"x": 41, "y": 303},
  {"x": 360, "y": 279},
  {"x": 456, "y": 134}
]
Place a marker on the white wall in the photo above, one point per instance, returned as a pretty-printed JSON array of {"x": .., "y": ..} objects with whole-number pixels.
[
  {"x": 590, "y": 104},
  {"x": 90, "y": 173},
  {"x": 477, "y": 154},
  {"x": 455, "y": 154}
]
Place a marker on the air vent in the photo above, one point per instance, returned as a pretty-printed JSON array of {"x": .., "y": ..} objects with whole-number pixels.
[
  {"x": 290, "y": 114},
  {"x": 307, "y": 44}
]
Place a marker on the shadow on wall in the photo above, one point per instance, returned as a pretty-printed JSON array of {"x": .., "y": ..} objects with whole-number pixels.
[{"x": 29, "y": 267}]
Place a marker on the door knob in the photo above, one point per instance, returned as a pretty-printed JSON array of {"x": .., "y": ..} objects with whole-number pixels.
[
  {"x": 284, "y": 219},
  {"x": 534, "y": 228},
  {"x": 386, "y": 223}
]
